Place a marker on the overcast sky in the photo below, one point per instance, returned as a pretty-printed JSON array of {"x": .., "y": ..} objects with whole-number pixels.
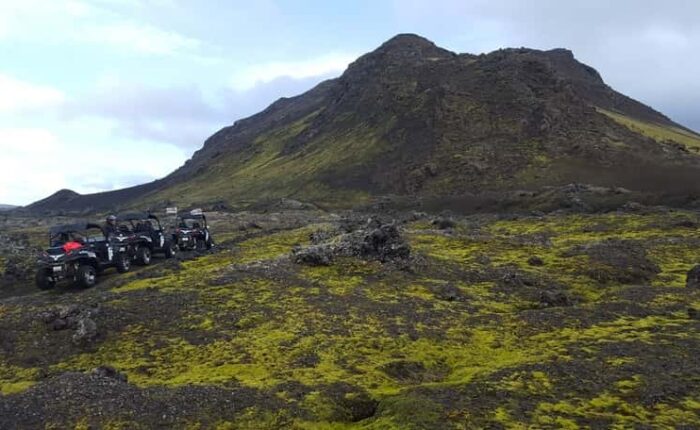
[{"x": 102, "y": 94}]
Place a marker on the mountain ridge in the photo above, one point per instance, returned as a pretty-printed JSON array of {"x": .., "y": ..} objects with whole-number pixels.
[{"x": 411, "y": 118}]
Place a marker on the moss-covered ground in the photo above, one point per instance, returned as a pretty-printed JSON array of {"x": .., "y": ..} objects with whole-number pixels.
[
  {"x": 657, "y": 132},
  {"x": 459, "y": 338}
]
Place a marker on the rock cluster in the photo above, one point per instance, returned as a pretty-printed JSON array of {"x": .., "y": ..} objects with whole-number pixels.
[
  {"x": 109, "y": 372},
  {"x": 615, "y": 260},
  {"x": 17, "y": 268},
  {"x": 551, "y": 299},
  {"x": 73, "y": 317},
  {"x": 383, "y": 243},
  {"x": 376, "y": 240},
  {"x": 315, "y": 255},
  {"x": 444, "y": 223}
]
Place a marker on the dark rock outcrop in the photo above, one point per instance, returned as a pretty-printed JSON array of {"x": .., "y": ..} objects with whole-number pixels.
[
  {"x": 692, "y": 279},
  {"x": 615, "y": 260},
  {"x": 317, "y": 255},
  {"x": 552, "y": 299}
]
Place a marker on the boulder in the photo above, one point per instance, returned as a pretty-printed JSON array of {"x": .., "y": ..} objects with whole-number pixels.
[
  {"x": 692, "y": 278},
  {"x": 444, "y": 223},
  {"x": 85, "y": 331},
  {"x": 551, "y": 299},
  {"x": 109, "y": 372},
  {"x": 315, "y": 255},
  {"x": 448, "y": 292},
  {"x": 385, "y": 243},
  {"x": 535, "y": 261},
  {"x": 616, "y": 260},
  {"x": 320, "y": 236}
]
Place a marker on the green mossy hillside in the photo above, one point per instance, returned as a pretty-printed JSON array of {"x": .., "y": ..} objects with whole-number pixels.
[
  {"x": 458, "y": 338},
  {"x": 661, "y": 133}
]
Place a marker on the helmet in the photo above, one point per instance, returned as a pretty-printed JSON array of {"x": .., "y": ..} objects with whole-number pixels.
[{"x": 111, "y": 219}]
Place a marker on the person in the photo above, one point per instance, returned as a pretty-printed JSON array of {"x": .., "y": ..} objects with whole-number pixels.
[
  {"x": 60, "y": 239},
  {"x": 111, "y": 228},
  {"x": 78, "y": 238}
]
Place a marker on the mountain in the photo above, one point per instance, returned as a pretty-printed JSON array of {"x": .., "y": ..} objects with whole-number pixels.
[
  {"x": 6, "y": 207},
  {"x": 413, "y": 119}
]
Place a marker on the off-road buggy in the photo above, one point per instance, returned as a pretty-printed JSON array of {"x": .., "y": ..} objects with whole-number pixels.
[
  {"x": 145, "y": 236},
  {"x": 192, "y": 231},
  {"x": 77, "y": 253}
]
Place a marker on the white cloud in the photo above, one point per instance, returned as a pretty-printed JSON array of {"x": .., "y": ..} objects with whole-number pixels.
[
  {"x": 24, "y": 141},
  {"x": 140, "y": 38},
  {"x": 28, "y": 150},
  {"x": 37, "y": 162},
  {"x": 18, "y": 96},
  {"x": 85, "y": 23},
  {"x": 268, "y": 72}
]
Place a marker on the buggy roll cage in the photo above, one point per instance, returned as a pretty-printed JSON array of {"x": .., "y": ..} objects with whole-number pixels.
[
  {"x": 75, "y": 227},
  {"x": 66, "y": 229},
  {"x": 138, "y": 216},
  {"x": 195, "y": 214}
]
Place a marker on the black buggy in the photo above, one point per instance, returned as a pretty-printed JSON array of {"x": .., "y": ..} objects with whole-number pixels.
[
  {"x": 145, "y": 236},
  {"x": 77, "y": 253},
  {"x": 192, "y": 231}
]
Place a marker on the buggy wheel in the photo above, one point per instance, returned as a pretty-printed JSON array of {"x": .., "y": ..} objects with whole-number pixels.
[
  {"x": 44, "y": 281},
  {"x": 200, "y": 244},
  {"x": 123, "y": 263},
  {"x": 143, "y": 255},
  {"x": 170, "y": 250},
  {"x": 86, "y": 276}
]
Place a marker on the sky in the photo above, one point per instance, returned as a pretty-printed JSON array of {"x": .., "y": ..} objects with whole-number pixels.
[{"x": 101, "y": 94}]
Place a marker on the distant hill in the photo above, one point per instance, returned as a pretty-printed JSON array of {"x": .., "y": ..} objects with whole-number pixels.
[
  {"x": 413, "y": 119},
  {"x": 7, "y": 207}
]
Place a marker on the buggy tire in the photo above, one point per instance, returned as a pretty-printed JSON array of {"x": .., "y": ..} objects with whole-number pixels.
[
  {"x": 170, "y": 249},
  {"x": 143, "y": 255},
  {"x": 43, "y": 281},
  {"x": 123, "y": 263},
  {"x": 199, "y": 244},
  {"x": 86, "y": 276}
]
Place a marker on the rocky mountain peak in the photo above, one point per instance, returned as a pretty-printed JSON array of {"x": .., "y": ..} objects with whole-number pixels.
[
  {"x": 412, "y": 45},
  {"x": 65, "y": 194},
  {"x": 399, "y": 51}
]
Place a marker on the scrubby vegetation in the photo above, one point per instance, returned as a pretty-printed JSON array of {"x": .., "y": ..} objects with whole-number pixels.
[{"x": 560, "y": 321}]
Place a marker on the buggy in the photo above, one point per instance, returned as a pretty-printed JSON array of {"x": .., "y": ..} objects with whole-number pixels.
[
  {"x": 192, "y": 231},
  {"x": 145, "y": 236},
  {"x": 78, "y": 253}
]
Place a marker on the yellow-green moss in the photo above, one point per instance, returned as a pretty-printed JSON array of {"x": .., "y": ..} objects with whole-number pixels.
[
  {"x": 619, "y": 412},
  {"x": 657, "y": 132},
  {"x": 343, "y": 276},
  {"x": 274, "y": 245},
  {"x": 535, "y": 382},
  {"x": 14, "y": 379},
  {"x": 347, "y": 322}
]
